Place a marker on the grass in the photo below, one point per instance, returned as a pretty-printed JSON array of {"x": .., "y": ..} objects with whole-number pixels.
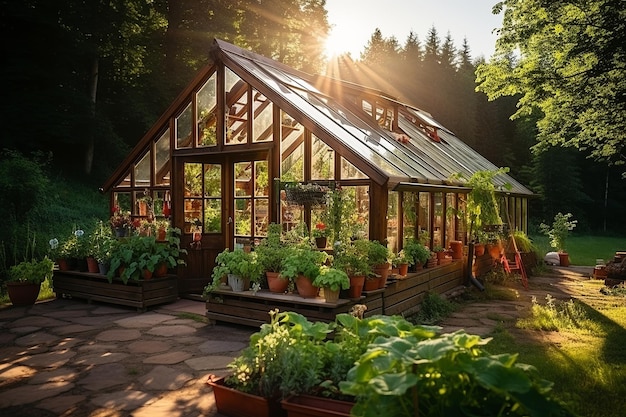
[
  {"x": 578, "y": 345},
  {"x": 584, "y": 250}
]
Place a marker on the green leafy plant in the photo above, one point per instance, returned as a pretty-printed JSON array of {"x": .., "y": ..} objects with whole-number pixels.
[
  {"x": 35, "y": 271},
  {"x": 303, "y": 260},
  {"x": 272, "y": 250},
  {"x": 332, "y": 278},
  {"x": 559, "y": 231},
  {"x": 100, "y": 242},
  {"x": 353, "y": 258},
  {"x": 412, "y": 371},
  {"x": 377, "y": 253},
  {"x": 238, "y": 262},
  {"x": 415, "y": 252}
]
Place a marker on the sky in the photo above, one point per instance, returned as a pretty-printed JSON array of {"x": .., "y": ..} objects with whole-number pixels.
[{"x": 354, "y": 21}]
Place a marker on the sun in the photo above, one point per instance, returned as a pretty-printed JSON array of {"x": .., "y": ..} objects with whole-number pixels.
[{"x": 340, "y": 41}]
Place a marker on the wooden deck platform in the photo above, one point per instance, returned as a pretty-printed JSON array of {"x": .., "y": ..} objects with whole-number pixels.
[
  {"x": 401, "y": 296},
  {"x": 140, "y": 294}
]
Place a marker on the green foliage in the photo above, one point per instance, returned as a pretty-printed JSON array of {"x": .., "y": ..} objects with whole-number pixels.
[
  {"x": 433, "y": 308},
  {"x": 558, "y": 315},
  {"x": 561, "y": 227},
  {"x": 32, "y": 271},
  {"x": 415, "y": 252},
  {"x": 238, "y": 262},
  {"x": 352, "y": 257},
  {"x": 332, "y": 278},
  {"x": 418, "y": 374},
  {"x": 564, "y": 59},
  {"x": 272, "y": 250},
  {"x": 303, "y": 260},
  {"x": 377, "y": 253}
]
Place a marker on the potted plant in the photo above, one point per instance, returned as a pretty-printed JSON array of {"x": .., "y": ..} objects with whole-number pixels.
[
  {"x": 558, "y": 233},
  {"x": 270, "y": 254},
  {"x": 402, "y": 262},
  {"x": 352, "y": 259},
  {"x": 25, "y": 280},
  {"x": 415, "y": 252},
  {"x": 320, "y": 233},
  {"x": 332, "y": 280},
  {"x": 378, "y": 258},
  {"x": 241, "y": 267},
  {"x": 121, "y": 222},
  {"x": 302, "y": 266},
  {"x": 441, "y": 253},
  {"x": 100, "y": 242}
]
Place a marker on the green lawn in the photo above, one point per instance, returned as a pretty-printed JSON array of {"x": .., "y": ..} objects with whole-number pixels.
[{"x": 584, "y": 250}]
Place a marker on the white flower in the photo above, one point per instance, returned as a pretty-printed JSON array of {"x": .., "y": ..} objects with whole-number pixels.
[
  {"x": 54, "y": 243},
  {"x": 79, "y": 233}
]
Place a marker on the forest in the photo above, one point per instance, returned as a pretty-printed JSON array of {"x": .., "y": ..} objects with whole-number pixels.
[{"x": 82, "y": 81}]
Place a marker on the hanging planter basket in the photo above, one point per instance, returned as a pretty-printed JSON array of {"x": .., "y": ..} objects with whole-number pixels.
[{"x": 302, "y": 194}]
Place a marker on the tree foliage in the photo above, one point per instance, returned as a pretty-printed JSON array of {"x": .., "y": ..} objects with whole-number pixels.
[{"x": 565, "y": 58}]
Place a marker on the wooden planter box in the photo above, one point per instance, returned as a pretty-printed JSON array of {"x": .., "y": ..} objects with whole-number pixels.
[
  {"x": 140, "y": 294},
  {"x": 310, "y": 406},
  {"x": 233, "y": 403}
]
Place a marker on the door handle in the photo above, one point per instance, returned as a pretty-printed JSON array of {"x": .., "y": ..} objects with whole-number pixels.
[{"x": 230, "y": 220}]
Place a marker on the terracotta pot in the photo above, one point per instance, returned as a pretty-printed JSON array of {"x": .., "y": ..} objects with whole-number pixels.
[
  {"x": 383, "y": 271},
  {"x": 146, "y": 274},
  {"x": 92, "y": 265},
  {"x": 441, "y": 255},
  {"x": 356, "y": 286},
  {"x": 403, "y": 269},
  {"x": 494, "y": 249},
  {"x": 161, "y": 270},
  {"x": 457, "y": 249},
  {"x": 276, "y": 283},
  {"x": 564, "y": 258},
  {"x": 370, "y": 284},
  {"x": 331, "y": 296},
  {"x": 479, "y": 249},
  {"x": 305, "y": 287},
  {"x": 311, "y": 406},
  {"x": 161, "y": 234},
  {"x": 63, "y": 265},
  {"x": 23, "y": 293},
  {"x": 231, "y": 402}
]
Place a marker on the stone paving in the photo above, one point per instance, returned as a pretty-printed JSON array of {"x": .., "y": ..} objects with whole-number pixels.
[{"x": 69, "y": 358}]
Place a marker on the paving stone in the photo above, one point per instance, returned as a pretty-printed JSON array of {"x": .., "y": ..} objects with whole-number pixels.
[
  {"x": 171, "y": 331},
  {"x": 109, "y": 310},
  {"x": 188, "y": 322},
  {"x": 73, "y": 328},
  {"x": 15, "y": 373},
  {"x": 6, "y": 338},
  {"x": 52, "y": 359},
  {"x": 64, "y": 374},
  {"x": 11, "y": 313},
  {"x": 37, "y": 338},
  {"x": 62, "y": 405},
  {"x": 143, "y": 320},
  {"x": 218, "y": 346},
  {"x": 101, "y": 321},
  {"x": 122, "y": 400},
  {"x": 119, "y": 335},
  {"x": 37, "y": 321},
  {"x": 164, "y": 378},
  {"x": 149, "y": 347},
  {"x": 67, "y": 343},
  {"x": 105, "y": 376},
  {"x": 97, "y": 347},
  {"x": 25, "y": 329},
  {"x": 168, "y": 358},
  {"x": 27, "y": 394},
  {"x": 194, "y": 399},
  {"x": 100, "y": 358},
  {"x": 206, "y": 363}
]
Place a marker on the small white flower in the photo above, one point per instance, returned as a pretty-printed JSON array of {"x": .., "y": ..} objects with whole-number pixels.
[
  {"x": 79, "y": 233},
  {"x": 54, "y": 243}
]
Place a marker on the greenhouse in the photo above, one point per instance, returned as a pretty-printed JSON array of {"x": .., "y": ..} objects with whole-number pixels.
[{"x": 222, "y": 160}]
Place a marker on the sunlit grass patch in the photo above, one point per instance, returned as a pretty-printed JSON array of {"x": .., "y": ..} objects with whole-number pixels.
[{"x": 558, "y": 315}]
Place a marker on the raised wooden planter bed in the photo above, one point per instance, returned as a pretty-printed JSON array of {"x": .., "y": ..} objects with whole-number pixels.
[
  {"x": 401, "y": 296},
  {"x": 139, "y": 294}
]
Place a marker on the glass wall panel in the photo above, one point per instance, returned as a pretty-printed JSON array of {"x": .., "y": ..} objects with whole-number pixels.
[
  {"x": 350, "y": 172},
  {"x": 262, "y": 125},
  {"x": 142, "y": 171},
  {"x": 323, "y": 160},
  {"x": 409, "y": 214},
  {"x": 424, "y": 211},
  {"x": 462, "y": 226},
  {"x": 236, "y": 117},
  {"x": 206, "y": 101},
  {"x": 392, "y": 221},
  {"x": 450, "y": 217},
  {"x": 125, "y": 182},
  {"x": 262, "y": 181},
  {"x": 193, "y": 197},
  {"x": 243, "y": 217},
  {"x": 356, "y": 211},
  {"x": 122, "y": 201},
  {"x": 203, "y": 201},
  {"x": 438, "y": 220},
  {"x": 183, "y": 128},
  {"x": 162, "y": 166}
]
